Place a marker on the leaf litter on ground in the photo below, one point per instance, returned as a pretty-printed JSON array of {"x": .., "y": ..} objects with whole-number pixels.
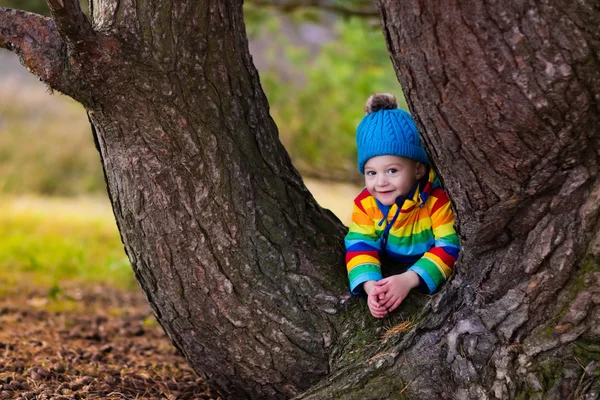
[{"x": 88, "y": 343}]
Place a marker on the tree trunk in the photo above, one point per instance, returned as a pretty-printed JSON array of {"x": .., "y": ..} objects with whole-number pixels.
[
  {"x": 245, "y": 271},
  {"x": 507, "y": 97},
  {"x": 218, "y": 226}
]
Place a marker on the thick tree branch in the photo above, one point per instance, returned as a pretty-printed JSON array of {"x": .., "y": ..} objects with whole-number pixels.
[
  {"x": 71, "y": 22},
  {"x": 362, "y": 9},
  {"x": 35, "y": 40}
]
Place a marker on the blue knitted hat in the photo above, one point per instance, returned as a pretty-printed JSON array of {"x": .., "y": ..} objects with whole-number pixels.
[{"x": 387, "y": 130}]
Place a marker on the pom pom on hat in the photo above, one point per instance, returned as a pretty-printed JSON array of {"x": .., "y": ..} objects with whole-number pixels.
[
  {"x": 380, "y": 101},
  {"x": 387, "y": 130}
]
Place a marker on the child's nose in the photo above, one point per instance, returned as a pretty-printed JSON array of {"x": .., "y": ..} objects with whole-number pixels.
[{"x": 381, "y": 180}]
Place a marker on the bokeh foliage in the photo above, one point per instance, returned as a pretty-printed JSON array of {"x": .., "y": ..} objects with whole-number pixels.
[
  {"x": 36, "y": 6},
  {"x": 48, "y": 148},
  {"x": 317, "y": 117}
]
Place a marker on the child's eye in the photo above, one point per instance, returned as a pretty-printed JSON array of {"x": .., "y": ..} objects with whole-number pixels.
[
  {"x": 370, "y": 173},
  {"x": 392, "y": 171}
]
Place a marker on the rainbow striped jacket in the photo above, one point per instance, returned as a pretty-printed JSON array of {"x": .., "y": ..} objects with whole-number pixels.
[{"x": 422, "y": 235}]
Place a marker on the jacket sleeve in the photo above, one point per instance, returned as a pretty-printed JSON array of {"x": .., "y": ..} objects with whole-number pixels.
[
  {"x": 362, "y": 250},
  {"x": 435, "y": 266}
]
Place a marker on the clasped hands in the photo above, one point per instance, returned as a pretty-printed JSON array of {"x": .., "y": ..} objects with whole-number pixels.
[{"x": 386, "y": 295}]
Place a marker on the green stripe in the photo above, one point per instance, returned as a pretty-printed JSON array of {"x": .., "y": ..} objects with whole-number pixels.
[
  {"x": 421, "y": 237},
  {"x": 362, "y": 269},
  {"x": 453, "y": 239},
  {"x": 410, "y": 239},
  {"x": 433, "y": 271},
  {"x": 360, "y": 236}
]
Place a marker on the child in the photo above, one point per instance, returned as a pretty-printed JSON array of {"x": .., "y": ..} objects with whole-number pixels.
[{"x": 402, "y": 216}]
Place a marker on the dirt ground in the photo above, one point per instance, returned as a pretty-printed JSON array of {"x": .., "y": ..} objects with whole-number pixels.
[{"x": 92, "y": 343}]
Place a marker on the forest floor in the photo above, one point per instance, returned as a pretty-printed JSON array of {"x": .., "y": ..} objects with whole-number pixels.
[{"x": 88, "y": 343}]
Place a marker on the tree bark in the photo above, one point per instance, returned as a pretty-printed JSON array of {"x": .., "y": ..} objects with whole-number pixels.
[
  {"x": 507, "y": 97},
  {"x": 241, "y": 266},
  {"x": 218, "y": 226},
  {"x": 245, "y": 271}
]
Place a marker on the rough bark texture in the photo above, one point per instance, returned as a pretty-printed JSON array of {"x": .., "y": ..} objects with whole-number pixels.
[
  {"x": 216, "y": 222},
  {"x": 507, "y": 96},
  {"x": 240, "y": 264},
  {"x": 245, "y": 271}
]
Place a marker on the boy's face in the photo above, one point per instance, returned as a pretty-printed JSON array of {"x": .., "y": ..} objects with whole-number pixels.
[{"x": 387, "y": 177}]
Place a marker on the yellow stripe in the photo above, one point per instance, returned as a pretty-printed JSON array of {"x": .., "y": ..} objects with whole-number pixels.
[
  {"x": 444, "y": 269},
  {"x": 368, "y": 230},
  {"x": 444, "y": 230},
  {"x": 361, "y": 259},
  {"x": 416, "y": 223}
]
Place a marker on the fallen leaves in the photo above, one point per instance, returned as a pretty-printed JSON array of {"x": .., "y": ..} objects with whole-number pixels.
[{"x": 89, "y": 352}]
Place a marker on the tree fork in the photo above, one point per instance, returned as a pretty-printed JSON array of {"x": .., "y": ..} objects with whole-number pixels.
[{"x": 244, "y": 270}]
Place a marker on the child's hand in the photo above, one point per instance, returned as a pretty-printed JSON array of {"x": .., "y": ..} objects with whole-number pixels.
[
  {"x": 373, "y": 300},
  {"x": 394, "y": 289}
]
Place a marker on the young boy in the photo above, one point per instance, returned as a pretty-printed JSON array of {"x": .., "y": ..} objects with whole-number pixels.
[{"x": 403, "y": 216}]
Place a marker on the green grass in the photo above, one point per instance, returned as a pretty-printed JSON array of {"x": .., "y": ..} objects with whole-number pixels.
[{"x": 48, "y": 242}]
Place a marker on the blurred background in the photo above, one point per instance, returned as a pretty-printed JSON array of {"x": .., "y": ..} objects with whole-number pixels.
[{"x": 317, "y": 69}]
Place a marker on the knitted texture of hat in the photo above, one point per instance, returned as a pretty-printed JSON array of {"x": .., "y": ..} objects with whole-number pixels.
[{"x": 386, "y": 131}]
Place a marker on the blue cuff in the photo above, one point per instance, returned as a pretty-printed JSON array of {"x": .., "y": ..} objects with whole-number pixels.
[
  {"x": 425, "y": 276},
  {"x": 355, "y": 285}
]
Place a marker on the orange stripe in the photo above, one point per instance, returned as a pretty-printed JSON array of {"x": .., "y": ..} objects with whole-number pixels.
[{"x": 361, "y": 218}]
